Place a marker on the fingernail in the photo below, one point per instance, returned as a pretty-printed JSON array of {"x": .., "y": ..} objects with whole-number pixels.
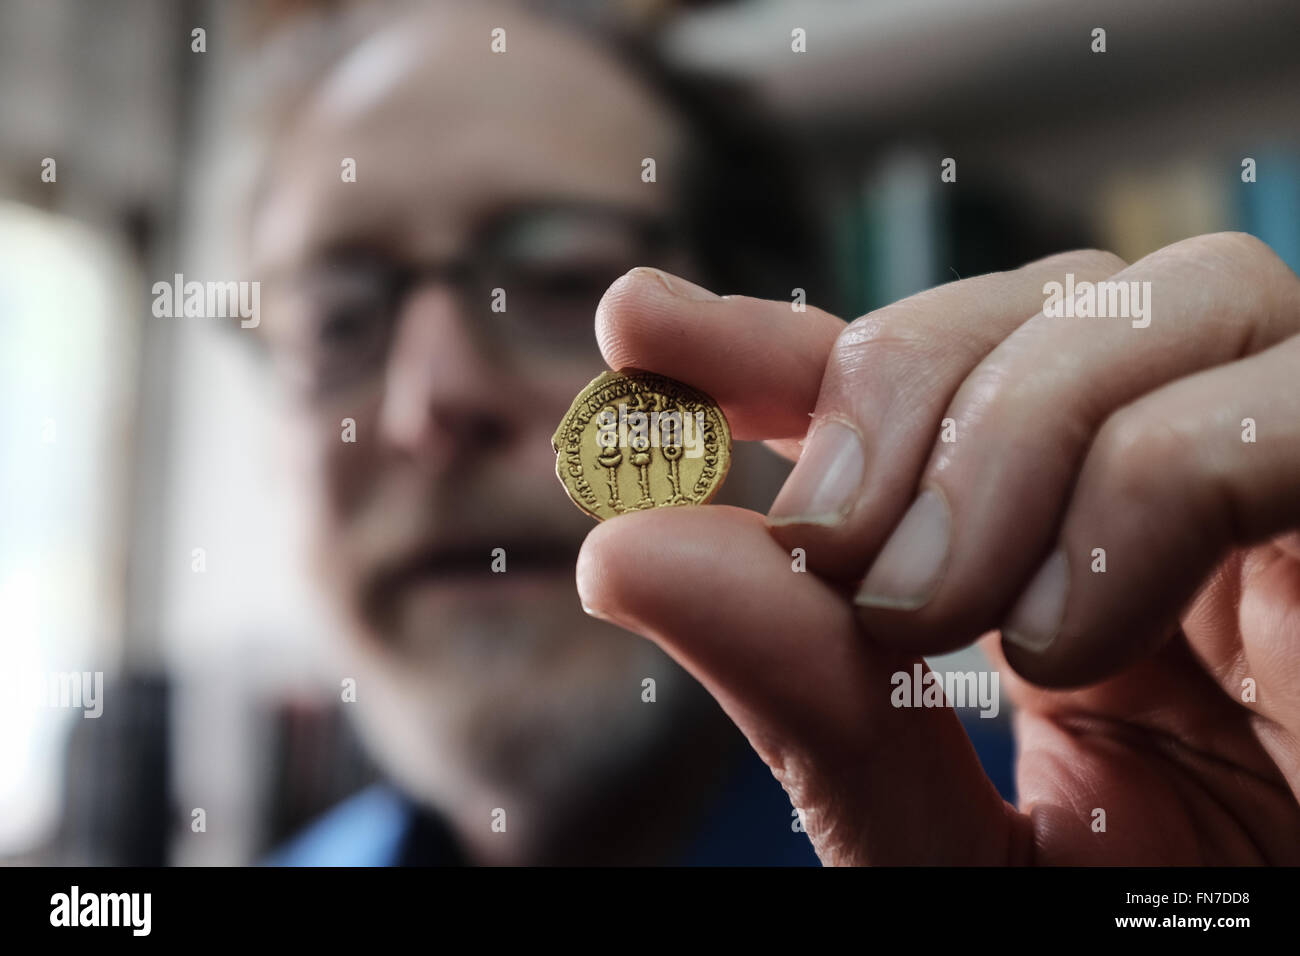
[
  {"x": 825, "y": 481},
  {"x": 1035, "y": 620},
  {"x": 682, "y": 289},
  {"x": 909, "y": 567}
]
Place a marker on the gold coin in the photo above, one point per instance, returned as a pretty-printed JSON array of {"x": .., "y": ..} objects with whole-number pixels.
[{"x": 633, "y": 440}]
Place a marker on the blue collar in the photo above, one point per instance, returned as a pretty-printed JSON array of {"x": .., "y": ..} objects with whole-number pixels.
[{"x": 750, "y": 824}]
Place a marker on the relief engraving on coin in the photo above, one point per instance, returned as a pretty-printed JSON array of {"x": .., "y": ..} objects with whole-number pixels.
[{"x": 633, "y": 440}]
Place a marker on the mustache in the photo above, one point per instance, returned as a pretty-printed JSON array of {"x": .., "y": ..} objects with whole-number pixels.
[{"x": 401, "y": 536}]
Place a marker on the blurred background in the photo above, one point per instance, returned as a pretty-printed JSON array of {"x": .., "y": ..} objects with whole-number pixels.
[{"x": 126, "y": 441}]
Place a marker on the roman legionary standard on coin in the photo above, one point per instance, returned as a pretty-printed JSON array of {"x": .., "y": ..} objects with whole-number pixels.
[{"x": 633, "y": 440}]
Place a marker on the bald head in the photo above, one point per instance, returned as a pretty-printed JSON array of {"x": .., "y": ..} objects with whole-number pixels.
[{"x": 444, "y": 130}]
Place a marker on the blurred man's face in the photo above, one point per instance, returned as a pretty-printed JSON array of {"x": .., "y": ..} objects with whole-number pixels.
[{"x": 475, "y": 172}]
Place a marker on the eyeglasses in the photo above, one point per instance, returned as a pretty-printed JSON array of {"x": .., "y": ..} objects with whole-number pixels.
[{"x": 530, "y": 279}]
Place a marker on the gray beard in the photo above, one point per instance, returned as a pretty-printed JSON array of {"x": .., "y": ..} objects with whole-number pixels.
[{"x": 523, "y": 717}]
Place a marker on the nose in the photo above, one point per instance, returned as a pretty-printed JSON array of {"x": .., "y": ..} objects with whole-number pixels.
[{"x": 443, "y": 399}]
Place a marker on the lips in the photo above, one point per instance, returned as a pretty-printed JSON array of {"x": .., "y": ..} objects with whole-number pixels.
[
  {"x": 479, "y": 557},
  {"x": 467, "y": 561}
]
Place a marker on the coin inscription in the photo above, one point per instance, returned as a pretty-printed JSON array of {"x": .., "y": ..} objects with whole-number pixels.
[{"x": 633, "y": 440}]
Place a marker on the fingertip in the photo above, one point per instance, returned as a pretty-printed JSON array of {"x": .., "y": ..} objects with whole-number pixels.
[
  {"x": 626, "y": 558},
  {"x": 597, "y": 558},
  {"x": 635, "y": 312},
  {"x": 612, "y": 313}
]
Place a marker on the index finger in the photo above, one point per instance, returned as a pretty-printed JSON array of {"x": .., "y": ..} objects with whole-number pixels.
[{"x": 761, "y": 360}]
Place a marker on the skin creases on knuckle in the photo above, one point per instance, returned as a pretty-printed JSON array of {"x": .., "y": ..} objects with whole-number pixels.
[
  {"x": 880, "y": 339},
  {"x": 829, "y": 825},
  {"x": 795, "y": 774},
  {"x": 836, "y": 837},
  {"x": 794, "y": 770}
]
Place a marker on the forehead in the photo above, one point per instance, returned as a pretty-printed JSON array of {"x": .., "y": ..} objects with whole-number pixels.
[{"x": 444, "y": 131}]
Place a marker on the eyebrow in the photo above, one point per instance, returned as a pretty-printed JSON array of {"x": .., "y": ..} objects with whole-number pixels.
[
  {"x": 623, "y": 213},
  {"x": 339, "y": 253}
]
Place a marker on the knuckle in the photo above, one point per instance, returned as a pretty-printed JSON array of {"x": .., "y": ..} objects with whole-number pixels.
[
  {"x": 913, "y": 334},
  {"x": 1018, "y": 407},
  {"x": 1225, "y": 252},
  {"x": 1136, "y": 454},
  {"x": 1100, "y": 261},
  {"x": 1149, "y": 472},
  {"x": 1243, "y": 271},
  {"x": 1086, "y": 262},
  {"x": 1230, "y": 245},
  {"x": 893, "y": 334}
]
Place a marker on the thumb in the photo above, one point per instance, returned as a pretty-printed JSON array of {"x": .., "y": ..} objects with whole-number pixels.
[{"x": 781, "y": 653}]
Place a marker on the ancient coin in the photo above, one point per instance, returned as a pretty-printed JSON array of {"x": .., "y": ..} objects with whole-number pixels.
[{"x": 633, "y": 440}]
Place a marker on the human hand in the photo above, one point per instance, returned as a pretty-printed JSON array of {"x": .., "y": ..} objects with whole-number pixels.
[{"x": 1164, "y": 690}]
